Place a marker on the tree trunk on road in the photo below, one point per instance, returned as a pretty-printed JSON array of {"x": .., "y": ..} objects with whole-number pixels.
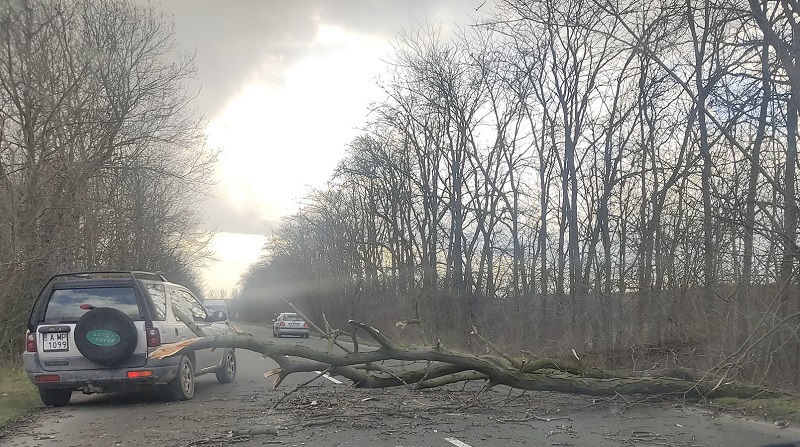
[{"x": 442, "y": 366}]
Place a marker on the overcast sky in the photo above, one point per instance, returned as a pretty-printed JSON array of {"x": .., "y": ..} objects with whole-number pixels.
[{"x": 285, "y": 85}]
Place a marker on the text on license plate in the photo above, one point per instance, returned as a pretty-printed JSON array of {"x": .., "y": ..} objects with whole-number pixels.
[{"x": 55, "y": 341}]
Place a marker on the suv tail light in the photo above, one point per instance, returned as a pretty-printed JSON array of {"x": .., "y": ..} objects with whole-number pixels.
[
  {"x": 282, "y": 324},
  {"x": 305, "y": 324},
  {"x": 153, "y": 337},
  {"x": 30, "y": 342},
  {"x": 47, "y": 378}
]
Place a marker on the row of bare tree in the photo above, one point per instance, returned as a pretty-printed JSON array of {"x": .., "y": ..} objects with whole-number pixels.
[
  {"x": 101, "y": 158},
  {"x": 616, "y": 177}
]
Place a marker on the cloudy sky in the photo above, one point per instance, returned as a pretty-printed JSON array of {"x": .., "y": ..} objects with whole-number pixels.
[{"x": 285, "y": 86}]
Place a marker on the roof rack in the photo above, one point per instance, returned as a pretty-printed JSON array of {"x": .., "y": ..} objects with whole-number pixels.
[
  {"x": 157, "y": 276},
  {"x": 92, "y": 274}
]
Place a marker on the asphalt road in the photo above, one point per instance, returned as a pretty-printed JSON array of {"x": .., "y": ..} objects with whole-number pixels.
[{"x": 327, "y": 412}]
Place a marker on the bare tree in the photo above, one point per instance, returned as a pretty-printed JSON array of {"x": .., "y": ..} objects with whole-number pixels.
[
  {"x": 101, "y": 157},
  {"x": 623, "y": 170}
]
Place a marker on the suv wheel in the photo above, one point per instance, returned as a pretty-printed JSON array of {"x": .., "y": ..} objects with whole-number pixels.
[
  {"x": 227, "y": 373},
  {"x": 55, "y": 398},
  {"x": 182, "y": 386}
]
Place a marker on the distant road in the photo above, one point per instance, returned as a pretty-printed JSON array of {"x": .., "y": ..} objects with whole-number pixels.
[{"x": 330, "y": 413}]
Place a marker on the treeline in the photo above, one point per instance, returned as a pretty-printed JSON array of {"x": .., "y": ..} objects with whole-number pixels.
[
  {"x": 102, "y": 160},
  {"x": 614, "y": 177}
]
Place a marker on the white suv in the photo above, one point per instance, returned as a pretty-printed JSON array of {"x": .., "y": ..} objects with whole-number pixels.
[{"x": 93, "y": 332}]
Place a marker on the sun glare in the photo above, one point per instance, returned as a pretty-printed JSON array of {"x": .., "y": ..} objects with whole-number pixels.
[
  {"x": 280, "y": 141},
  {"x": 234, "y": 252}
]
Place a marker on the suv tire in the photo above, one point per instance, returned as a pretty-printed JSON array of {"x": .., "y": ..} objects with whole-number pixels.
[
  {"x": 55, "y": 397},
  {"x": 227, "y": 373},
  {"x": 116, "y": 326},
  {"x": 182, "y": 386}
]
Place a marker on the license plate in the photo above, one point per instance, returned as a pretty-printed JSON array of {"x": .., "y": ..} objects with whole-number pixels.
[{"x": 55, "y": 341}]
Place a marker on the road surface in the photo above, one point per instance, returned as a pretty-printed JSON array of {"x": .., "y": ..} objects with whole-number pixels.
[{"x": 329, "y": 413}]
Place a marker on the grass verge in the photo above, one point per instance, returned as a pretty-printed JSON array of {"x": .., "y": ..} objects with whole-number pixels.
[
  {"x": 773, "y": 409},
  {"x": 18, "y": 397}
]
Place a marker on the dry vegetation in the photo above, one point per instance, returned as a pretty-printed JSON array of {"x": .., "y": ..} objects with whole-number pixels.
[
  {"x": 18, "y": 397},
  {"x": 613, "y": 178},
  {"x": 102, "y": 159}
]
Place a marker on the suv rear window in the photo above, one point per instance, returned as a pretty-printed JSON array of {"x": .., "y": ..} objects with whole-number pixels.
[
  {"x": 292, "y": 317},
  {"x": 65, "y": 304}
]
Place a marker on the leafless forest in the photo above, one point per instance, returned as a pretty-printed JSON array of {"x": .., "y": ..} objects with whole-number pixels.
[
  {"x": 617, "y": 178},
  {"x": 102, "y": 159}
]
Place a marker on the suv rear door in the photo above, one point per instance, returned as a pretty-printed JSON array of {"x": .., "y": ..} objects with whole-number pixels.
[{"x": 65, "y": 304}]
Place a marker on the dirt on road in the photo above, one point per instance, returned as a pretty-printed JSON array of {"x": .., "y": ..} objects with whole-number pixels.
[{"x": 343, "y": 416}]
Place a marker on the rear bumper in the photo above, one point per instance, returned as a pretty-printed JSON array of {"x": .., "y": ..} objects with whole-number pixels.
[
  {"x": 293, "y": 331},
  {"x": 106, "y": 378}
]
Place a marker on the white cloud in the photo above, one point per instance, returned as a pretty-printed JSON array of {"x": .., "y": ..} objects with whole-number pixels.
[
  {"x": 286, "y": 86},
  {"x": 278, "y": 141}
]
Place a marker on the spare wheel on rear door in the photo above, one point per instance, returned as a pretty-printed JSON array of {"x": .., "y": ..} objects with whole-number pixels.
[{"x": 106, "y": 336}]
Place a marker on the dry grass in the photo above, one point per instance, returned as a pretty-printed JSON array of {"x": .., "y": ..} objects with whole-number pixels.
[
  {"x": 776, "y": 409},
  {"x": 18, "y": 397}
]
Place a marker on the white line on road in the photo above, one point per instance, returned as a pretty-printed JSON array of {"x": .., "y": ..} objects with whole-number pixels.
[
  {"x": 456, "y": 442},
  {"x": 336, "y": 381}
]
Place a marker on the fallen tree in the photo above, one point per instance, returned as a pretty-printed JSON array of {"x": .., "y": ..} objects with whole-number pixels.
[{"x": 435, "y": 366}]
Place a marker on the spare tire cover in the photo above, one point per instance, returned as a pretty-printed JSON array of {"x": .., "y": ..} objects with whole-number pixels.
[{"x": 106, "y": 336}]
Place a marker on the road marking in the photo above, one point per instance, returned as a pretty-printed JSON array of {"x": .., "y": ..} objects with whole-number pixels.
[
  {"x": 336, "y": 381},
  {"x": 456, "y": 442}
]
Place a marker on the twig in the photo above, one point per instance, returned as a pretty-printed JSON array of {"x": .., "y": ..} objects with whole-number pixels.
[
  {"x": 427, "y": 372},
  {"x": 375, "y": 334},
  {"x": 330, "y": 334},
  {"x": 252, "y": 431},
  {"x": 391, "y": 373},
  {"x": 514, "y": 362},
  {"x": 219, "y": 440},
  {"x": 628, "y": 403},
  {"x": 509, "y": 399},
  {"x": 531, "y": 416},
  {"x": 355, "y": 339},
  {"x": 748, "y": 344},
  {"x": 288, "y": 393},
  {"x": 315, "y": 327},
  {"x": 487, "y": 385},
  {"x": 317, "y": 423}
]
